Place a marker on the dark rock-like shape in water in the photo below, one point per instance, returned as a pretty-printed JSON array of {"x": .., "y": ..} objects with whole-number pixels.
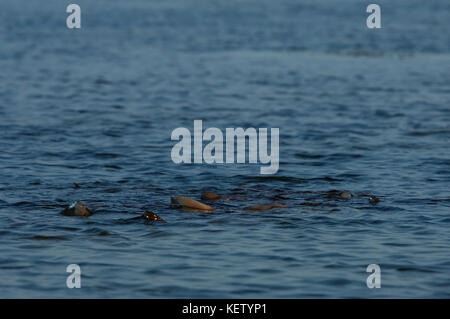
[
  {"x": 372, "y": 198},
  {"x": 148, "y": 216},
  {"x": 77, "y": 209},
  {"x": 151, "y": 216}
]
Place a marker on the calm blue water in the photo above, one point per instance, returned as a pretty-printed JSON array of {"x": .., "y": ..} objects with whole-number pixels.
[{"x": 360, "y": 110}]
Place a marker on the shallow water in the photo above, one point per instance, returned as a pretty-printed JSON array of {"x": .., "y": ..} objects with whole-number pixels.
[{"x": 360, "y": 110}]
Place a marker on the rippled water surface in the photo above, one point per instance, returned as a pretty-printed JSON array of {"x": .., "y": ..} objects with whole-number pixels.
[{"x": 361, "y": 110}]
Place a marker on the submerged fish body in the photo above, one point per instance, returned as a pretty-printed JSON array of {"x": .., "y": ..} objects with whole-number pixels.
[
  {"x": 210, "y": 196},
  {"x": 346, "y": 195},
  {"x": 187, "y": 202},
  {"x": 262, "y": 207}
]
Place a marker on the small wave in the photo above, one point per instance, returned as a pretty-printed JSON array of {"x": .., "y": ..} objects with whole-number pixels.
[
  {"x": 427, "y": 133},
  {"x": 43, "y": 237}
]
